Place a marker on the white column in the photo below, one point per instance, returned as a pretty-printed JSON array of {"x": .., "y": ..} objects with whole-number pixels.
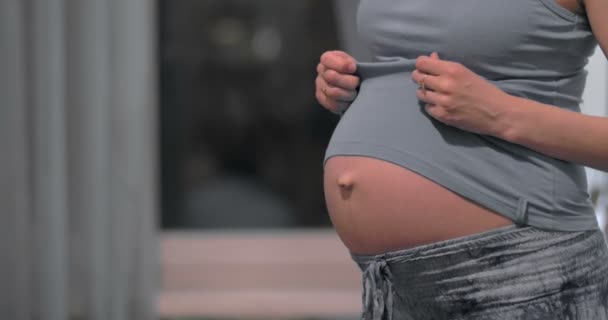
[
  {"x": 46, "y": 97},
  {"x": 133, "y": 161},
  {"x": 15, "y": 192},
  {"x": 78, "y": 166},
  {"x": 89, "y": 130}
]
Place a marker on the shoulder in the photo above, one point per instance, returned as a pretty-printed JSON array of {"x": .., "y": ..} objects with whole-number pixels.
[{"x": 597, "y": 13}]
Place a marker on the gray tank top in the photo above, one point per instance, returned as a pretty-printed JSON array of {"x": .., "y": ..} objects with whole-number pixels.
[{"x": 529, "y": 48}]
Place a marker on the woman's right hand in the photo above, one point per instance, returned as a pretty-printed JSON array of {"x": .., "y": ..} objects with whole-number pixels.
[{"x": 336, "y": 84}]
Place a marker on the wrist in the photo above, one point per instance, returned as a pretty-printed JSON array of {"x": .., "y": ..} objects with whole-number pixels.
[{"x": 506, "y": 125}]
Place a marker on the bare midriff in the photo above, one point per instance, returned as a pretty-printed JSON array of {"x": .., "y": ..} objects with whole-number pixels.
[{"x": 376, "y": 207}]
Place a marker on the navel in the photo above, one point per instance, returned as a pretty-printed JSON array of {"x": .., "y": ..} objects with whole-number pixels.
[{"x": 346, "y": 183}]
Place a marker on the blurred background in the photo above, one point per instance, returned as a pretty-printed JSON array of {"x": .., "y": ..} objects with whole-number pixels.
[{"x": 163, "y": 160}]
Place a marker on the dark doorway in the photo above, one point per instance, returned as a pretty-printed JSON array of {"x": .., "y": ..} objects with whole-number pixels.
[{"x": 242, "y": 137}]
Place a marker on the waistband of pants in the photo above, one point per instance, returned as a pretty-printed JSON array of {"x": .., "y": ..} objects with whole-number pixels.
[{"x": 463, "y": 257}]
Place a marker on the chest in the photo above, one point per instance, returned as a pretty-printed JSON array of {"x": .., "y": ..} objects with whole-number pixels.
[
  {"x": 482, "y": 34},
  {"x": 417, "y": 26}
]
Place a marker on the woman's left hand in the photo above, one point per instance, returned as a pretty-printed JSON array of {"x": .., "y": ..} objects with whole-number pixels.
[{"x": 458, "y": 97}]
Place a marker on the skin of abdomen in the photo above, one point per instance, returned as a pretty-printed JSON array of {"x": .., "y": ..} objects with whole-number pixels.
[{"x": 376, "y": 207}]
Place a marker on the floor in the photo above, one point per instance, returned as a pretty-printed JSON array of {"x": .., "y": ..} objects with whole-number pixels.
[{"x": 303, "y": 274}]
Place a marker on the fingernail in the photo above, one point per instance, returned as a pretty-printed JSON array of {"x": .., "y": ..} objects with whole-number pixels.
[{"x": 351, "y": 67}]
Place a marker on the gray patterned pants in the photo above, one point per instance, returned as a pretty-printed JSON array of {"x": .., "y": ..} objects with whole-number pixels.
[{"x": 510, "y": 273}]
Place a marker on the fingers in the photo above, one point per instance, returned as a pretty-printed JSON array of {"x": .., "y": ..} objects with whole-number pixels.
[
  {"x": 430, "y": 82},
  {"x": 345, "y": 81},
  {"x": 339, "y": 61},
  {"x": 336, "y": 84},
  {"x": 332, "y": 105},
  {"x": 333, "y": 92},
  {"x": 320, "y": 68},
  {"x": 434, "y": 66},
  {"x": 432, "y": 104},
  {"x": 337, "y": 68},
  {"x": 429, "y": 97}
]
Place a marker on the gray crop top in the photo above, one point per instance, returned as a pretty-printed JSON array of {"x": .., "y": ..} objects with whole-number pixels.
[{"x": 529, "y": 48}]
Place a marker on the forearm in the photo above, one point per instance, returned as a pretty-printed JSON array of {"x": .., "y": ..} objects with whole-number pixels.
[{"x": 556, "y": 132}]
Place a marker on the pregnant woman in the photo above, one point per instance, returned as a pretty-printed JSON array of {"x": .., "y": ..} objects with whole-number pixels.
[{"x": 455, "y": 176}]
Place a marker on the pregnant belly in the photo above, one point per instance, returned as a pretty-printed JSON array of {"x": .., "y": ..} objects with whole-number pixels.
[{"x": 376, "y": 206}]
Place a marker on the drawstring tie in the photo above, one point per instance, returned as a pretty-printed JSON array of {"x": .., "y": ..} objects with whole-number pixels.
[{"x": 377, "y": 292}]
